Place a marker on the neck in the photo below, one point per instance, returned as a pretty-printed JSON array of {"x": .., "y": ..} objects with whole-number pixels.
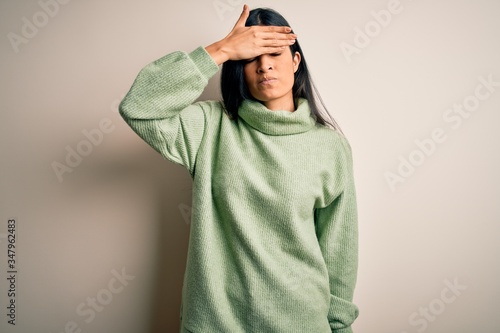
[{"x": 278, "y": 122}]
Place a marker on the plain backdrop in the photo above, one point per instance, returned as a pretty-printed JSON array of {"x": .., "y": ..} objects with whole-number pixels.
[{"x": 414, "y": 84}]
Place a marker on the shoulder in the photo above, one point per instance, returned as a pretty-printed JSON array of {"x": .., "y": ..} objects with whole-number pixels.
[
  {"x": 334, "y": 139},
  {"x": 335, "y": 148}
]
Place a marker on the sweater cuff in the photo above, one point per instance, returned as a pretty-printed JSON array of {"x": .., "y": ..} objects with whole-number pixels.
[
  {"x": 343, "y": 330},
  {"x": 342, "y": 314},
  {"x": 204, "y": 62}
]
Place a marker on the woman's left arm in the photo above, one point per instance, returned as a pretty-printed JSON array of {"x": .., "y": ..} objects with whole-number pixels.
[{"x": 337, "y": 232}]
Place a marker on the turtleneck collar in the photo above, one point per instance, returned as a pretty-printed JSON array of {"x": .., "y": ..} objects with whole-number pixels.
[{"x": 278, "y": 122}]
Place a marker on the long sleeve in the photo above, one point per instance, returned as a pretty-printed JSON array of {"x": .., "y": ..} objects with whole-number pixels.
[
  {"x": 159, "y": 105},
  {"x": 337, "y": 232}
]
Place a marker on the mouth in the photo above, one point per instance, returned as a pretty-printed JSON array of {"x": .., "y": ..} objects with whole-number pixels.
[{"x": 267, "y": 80}]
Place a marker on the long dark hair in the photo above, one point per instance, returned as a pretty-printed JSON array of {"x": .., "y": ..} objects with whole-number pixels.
[{"x": 234, "y": 89}]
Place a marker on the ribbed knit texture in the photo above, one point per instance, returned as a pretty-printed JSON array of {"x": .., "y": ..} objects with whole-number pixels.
[{"x": 273, "y": 239}]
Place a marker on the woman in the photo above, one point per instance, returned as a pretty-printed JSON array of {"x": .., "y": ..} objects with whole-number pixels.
[{"x": 273, "y": 239}]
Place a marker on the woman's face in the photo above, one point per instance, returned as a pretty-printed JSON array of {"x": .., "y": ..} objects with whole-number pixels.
[{"x": 270, "y": 78}]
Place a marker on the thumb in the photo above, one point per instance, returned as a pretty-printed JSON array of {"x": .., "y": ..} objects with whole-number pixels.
[{"x": 243, "y": 17}]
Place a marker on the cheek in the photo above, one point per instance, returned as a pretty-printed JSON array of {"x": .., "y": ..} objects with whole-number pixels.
[
  {"x": 288, "y": 70},
  {"x": 291, "y": 76},
  {"x": 247, "y": 73}
]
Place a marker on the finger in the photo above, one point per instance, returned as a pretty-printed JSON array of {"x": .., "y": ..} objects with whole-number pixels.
[
  {"x": 273, "y": 49},
  {"x": 278, "y": 37},
  {"x": 273, "y": 44},
  {"x": 243, "y": 17},
  {"x": 273, "y": 32},
  {"x": 278, "y": 43},
  {"x": 274, "y": 28}
]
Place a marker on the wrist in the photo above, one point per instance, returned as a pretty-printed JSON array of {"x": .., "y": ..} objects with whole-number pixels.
[{"x": 217, "y": 53}]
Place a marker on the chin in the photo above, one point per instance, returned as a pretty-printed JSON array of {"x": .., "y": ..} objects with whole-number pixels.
[{"x": 267, "y": 98}]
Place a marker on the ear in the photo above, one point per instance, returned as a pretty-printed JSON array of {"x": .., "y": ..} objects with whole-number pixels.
[{"x": 296, "y": 61}]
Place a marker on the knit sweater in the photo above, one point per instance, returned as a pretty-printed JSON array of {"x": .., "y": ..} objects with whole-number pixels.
[{"x": 273, "y": 237}]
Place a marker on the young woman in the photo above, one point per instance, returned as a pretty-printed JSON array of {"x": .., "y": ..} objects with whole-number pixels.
[{"x": 273, "y": 239}]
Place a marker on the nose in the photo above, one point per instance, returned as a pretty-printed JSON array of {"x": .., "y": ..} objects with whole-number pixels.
[{"x": 264, "y": 64}]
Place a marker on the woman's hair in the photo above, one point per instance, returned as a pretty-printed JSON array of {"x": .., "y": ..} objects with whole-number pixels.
[{"x": 234, "y": 88}]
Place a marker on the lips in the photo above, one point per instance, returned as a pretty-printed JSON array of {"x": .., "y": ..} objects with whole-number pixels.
[{"x": 267, "y": 80}]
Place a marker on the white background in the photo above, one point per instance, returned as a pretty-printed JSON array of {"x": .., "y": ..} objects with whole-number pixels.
[{"x": 124, "y": 209}]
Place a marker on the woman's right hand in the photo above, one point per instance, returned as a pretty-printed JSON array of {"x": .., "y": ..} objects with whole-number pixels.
[{"x": 250, "y": 42}]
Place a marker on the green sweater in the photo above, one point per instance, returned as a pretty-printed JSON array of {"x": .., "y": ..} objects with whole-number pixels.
[{"x": 273, "y": 237}]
